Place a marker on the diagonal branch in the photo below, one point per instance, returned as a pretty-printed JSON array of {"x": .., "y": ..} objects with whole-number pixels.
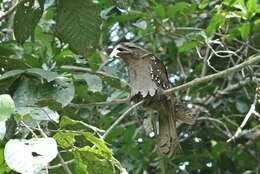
[
  {"x": 248, "y": 115},
  {"x": 220, "y": 74},
  {"x": 121, "y": 118}
]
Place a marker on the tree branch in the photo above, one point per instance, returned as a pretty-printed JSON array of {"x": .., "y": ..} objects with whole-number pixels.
[
  {"x": 121, "y": 118},
  {"x": 248, "y": 115},
  {"x": 214, "y": 76}
]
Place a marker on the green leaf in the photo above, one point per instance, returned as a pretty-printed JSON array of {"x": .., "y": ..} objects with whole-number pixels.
[
  {"x": 7, "y": 106},
  {"x": 99, "y": 143},
  {"x": 94, "y": 82},
  {"x": 178, "y": 7},
  {"x": 160, "y": 11},
  {"x": 39, "y": 113},
  {"x": 31, "y": 91},
  {"x": 229, "y": 2},
  {"x": 78, "y": 23},
  {"x": 80, "y": 165},
  {"x": 244, "y": 31},
  {"x": 203, "y": 4},
  {"x": 187, "y": 46},
  {"x": 26, "y": 19},
  {"x": 3, "y": 166},
  {"x": 251, "y": 7},
  {"x": 10, "y": 74},
  {"x": 65, "y": 140},
  {"x": 62, "y": 90},
  {"x": 95, "y": 61},
  {"x": 68, "y": 122},
  {"x": 96, "y": 162},
  {"x": 215, "y": 22},
  {"x": 257, "y": 10},
  {"x": 47, "y": 75},
  {"x": 6, "y": 50}
]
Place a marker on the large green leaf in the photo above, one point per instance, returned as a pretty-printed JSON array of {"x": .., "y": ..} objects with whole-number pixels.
[
  {"x": 30, "y": 92},
  {"x": 26, "y": 18},
  {"x": 7, "y": 107},
  {"x": 48, "y": 75},
  {"x": 251, "y": 7},
  {"x": 10, "y": 74},
  {"x": 78, "y": 23}
]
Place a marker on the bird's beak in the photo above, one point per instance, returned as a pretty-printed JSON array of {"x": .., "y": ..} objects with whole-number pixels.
[{"x": 122, "y": 50}]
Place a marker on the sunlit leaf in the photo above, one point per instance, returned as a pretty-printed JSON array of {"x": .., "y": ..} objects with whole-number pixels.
[
  {"x": 95, "y": 61},
  {"x": 215, "y": 22},
  {"x": 17, "y": 150},
  {"x": 187, "y": 46},
  {"x": 251, "y": 6},
  {"x": 244, "y": 31},
  {"x": 68, "y": 122},
  {"x": 2, "y": 130},
  {"x": 7, "y": 106},
  {"x": 65, "y": 140},
  {"x": 160, "y": 11}
]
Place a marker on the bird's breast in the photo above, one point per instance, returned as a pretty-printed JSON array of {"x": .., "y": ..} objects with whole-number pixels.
[{"x": 140, "y": 78}]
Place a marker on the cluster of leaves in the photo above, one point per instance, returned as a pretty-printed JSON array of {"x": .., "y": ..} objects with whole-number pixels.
[{"x": 55, "y": 67}]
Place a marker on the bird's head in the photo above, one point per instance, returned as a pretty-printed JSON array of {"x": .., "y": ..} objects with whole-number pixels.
[{"x": 129, "y": 51}]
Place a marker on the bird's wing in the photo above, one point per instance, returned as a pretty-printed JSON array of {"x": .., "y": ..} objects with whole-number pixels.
[{"x": 158, "y": 72}]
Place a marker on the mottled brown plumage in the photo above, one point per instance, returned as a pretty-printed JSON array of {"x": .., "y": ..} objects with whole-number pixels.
[{"x": 148, "y": 77}]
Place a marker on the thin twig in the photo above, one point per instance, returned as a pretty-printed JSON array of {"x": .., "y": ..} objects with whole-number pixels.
[
  {"x": 219, "y": 122},
  {"x": 64, "y": 165},
  {"x": 180, "y": 66},
  {"x": 121, "y": 118},
  {"x": 25, "y": 125},
  {"x": 60, "y": 165},
  {"x": 205, "y": 62},
  {"x": 116, "y": 101},
  {"x": 248, "y": 115}
]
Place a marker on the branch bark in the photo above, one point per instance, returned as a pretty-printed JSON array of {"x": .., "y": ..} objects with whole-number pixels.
[
  {"x": 121, "y": 118},
  {"x": 220, "y": 74}
]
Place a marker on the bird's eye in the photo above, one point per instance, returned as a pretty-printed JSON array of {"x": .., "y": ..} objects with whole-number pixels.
[{"x": 120, "y": 49}]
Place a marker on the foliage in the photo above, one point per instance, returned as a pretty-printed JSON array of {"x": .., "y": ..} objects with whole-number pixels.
[{"x": 60, "y": 77}]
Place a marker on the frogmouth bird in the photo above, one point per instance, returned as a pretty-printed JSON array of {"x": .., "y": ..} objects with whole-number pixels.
[{"x": 148, "y": 78}]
